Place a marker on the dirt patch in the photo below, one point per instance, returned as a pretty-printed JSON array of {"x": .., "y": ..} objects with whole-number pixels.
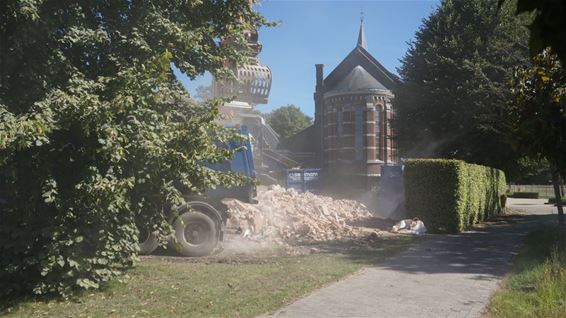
[
  {"x": 245, "y": 250},
  {"x": 375, "y": 223}
]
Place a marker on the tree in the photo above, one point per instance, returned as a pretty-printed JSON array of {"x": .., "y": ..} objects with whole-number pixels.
[
  {"x": 529, "y": 170},
  {"x": 540, "y": 121},
  {"x": 95, "y": 130},
  {"x": 288, "y": 120},
  {"x": 260, "y": 113},
  {"x": 203, "y": 93},
  {"x": 548, "y": 27},
  {"x": 452, "y": 102}
]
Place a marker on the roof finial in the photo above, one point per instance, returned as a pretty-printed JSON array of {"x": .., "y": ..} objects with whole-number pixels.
[{"x": 362, "y": 35}]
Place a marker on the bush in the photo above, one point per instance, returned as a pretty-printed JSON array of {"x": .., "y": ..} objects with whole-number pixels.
[
  {"x": 451, "y": 195},
  {"x": 553, "y": 200},
  {"x": 524, "y": 195}
]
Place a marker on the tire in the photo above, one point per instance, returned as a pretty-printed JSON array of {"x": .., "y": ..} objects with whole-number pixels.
[
  {"x": 195, "y": 234},
  {"x": 147, "y": 242},
  {"x": 249, "y": 196}
]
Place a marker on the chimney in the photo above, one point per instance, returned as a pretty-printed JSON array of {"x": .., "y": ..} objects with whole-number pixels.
[
  {"x": 318, "y": 111},
  {"x": 319, "y": 76}
]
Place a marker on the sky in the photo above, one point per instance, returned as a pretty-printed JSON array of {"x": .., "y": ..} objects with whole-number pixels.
[{"x": 324, "y": 32}]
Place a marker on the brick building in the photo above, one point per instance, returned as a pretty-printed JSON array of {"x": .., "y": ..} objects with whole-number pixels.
[{"x": 352, "y": 132}]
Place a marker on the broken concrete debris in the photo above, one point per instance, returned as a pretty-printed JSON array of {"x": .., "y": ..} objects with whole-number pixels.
[{"x": 285, "y": 216}]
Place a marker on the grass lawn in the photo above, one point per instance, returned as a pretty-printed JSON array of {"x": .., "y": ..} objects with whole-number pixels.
[
  {"x": 162, "y": 287},
  {"x": 537, "y": 285}
]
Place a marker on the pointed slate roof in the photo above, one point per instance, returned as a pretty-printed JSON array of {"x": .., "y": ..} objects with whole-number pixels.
[
  {"x": 360, "y": 56},
  {"x": 357, "y": 80}
]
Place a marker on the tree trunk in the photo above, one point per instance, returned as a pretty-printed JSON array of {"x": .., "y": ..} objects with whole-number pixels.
[
  {"x": 557, "y": 194},
  {"x": 559, "y": 205},
  {"x": 562, "y": 185}
]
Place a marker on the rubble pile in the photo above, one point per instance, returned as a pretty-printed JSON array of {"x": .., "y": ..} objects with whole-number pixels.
[{"x": 284, "y": 215}]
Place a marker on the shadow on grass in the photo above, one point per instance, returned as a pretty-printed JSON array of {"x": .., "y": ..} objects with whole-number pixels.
[
  {"x": 6, "y": 304},
  {"x": 11, "y": 303},
  {"x": 367, "y": 251}
]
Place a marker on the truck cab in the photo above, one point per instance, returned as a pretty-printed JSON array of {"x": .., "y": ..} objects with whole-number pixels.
[
  {"x": 199, "y": 224},
  {"x": 242, "y": 163}
]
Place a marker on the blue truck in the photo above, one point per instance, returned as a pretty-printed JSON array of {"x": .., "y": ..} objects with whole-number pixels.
[{"x": 199, "y": 224}]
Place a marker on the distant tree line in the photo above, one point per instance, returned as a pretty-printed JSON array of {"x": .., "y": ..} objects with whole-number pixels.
[{"x": 288, "y": 120}]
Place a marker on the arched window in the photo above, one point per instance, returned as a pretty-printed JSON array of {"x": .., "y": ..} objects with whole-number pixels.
[
  {"x": 339, "y": 122},
  {"x": 358, "y": 135},
  {"x": 378, "y": 133}
]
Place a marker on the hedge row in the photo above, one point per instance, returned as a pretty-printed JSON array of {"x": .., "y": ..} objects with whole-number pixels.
[
  {"x": 524, "y": 195},
  {"x": 553, "y": 200},
  {"x": 451, "y": 195}
]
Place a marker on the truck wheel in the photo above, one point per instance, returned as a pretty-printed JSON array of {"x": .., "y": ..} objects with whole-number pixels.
[
  {"x": 195, "y": 234},
  {"x": 147, "y": 241}
]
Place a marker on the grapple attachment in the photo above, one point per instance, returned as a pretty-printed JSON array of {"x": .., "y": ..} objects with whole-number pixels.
[{"x": 252, "y": 84}]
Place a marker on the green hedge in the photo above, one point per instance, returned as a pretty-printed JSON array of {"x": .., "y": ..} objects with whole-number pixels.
[
  {"x": 553, "y": 200},
  {"x": 524, "y": 195},
  {"x": 451, "y": 195}
]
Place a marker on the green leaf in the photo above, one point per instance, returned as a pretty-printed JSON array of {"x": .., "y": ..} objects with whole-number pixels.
[{"x": 99, "y": 111}]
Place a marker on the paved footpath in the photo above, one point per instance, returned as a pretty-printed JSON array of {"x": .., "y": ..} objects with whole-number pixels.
[{"x": 443, "y": 276}]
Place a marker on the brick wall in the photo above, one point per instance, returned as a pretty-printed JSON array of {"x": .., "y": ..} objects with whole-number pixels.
[{"x": 339, "y": 132}]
